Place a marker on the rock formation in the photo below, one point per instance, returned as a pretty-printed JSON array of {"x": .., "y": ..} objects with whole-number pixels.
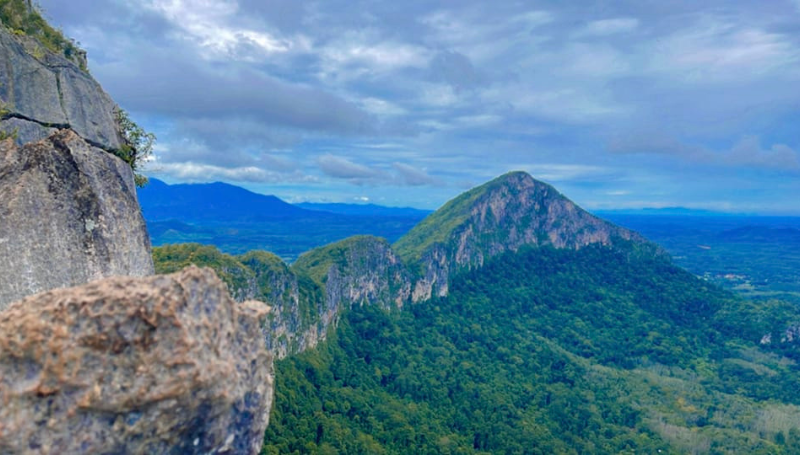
[
  {"x": 41, "y": 91},
  {"x": 68, "y": 215},
  {"x": 306, "y": 299},
  {"x": 164, "y": 364},
  {"x": 502, "y": 215},
  {"x": 357, "y": 271}
]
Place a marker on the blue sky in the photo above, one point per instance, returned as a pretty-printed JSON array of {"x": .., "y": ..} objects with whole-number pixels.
[{"x": 619, "y": 104}]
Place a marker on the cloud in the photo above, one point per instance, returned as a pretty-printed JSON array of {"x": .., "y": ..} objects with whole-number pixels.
[
  {"x": 607, "y": 27},
  {"x": 342, "y": 168},
  {"x": 174, "y": 85},
  {"x": 747, "y": 152},
  {"x": 201, "y": 172},
  {"x": 455, "y": 69},
  {"x": 412, "y": 176},
  {"x": 281, "y": 90},
  {"x": 715, "y": 50}
]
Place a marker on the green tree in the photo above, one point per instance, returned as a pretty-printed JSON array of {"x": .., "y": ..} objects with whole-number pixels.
[{"x": 137, "y": 145}]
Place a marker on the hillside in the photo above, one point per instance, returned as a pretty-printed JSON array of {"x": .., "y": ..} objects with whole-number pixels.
[{"x": 548, "y": 351}]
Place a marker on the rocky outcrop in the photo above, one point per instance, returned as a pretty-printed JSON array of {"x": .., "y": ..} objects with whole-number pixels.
[
  {"x": 298, "y": 319},
  {"x": 164, "y": 364},
  {"x": 41, "y": 91},
  {"x": 307, "y": 299},
  {"x": 297, "y": 304},
  {"x": 68, "y": 215},
  {"x": 361, "y": 270},
  {"x": 502, "y": 215}
]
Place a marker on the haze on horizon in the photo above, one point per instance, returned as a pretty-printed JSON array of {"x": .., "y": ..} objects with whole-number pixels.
[{"x": 620, "y": 104}]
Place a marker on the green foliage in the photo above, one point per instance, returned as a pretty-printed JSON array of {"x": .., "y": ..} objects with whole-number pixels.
[
  {"x": 547, "y": 351},
  {"x": 137, "y": 145},
  {"x": 318, "y": 261},
  {"x": 24, "y": 19},
  {"x": 172, "y": 258},
  {"x": 437, "y": 227},
  {"x": 9, "y": 134},
  {"x": 251, "y": 275}
]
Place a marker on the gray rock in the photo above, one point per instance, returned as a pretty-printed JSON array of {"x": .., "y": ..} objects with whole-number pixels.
[
  {"x": 167, "y": 364},
  {"x": 68, "y": 215},
  {"x": 50, "y": 91}
]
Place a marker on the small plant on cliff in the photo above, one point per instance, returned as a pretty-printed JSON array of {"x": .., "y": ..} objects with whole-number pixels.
[{"x": 137, "y": 145}]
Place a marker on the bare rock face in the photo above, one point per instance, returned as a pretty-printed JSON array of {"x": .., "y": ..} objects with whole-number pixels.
[
  {"x": 41, "y": 91},
  {"x": 68, "y": 215},
  {"x": 502, "y": 215},
  {"x": 167, "y": 364}
]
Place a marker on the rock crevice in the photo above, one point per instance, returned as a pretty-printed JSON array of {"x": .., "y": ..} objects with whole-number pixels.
[{"x": 69, "y": 216}]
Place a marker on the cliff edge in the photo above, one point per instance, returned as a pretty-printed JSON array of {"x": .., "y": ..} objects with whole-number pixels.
[{"x": 68, "y": 215}]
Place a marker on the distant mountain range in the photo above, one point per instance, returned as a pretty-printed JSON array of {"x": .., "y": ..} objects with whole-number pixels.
[
  {"x": 364, "y": 209},
  {"x": 237, "y": 220},
  {"x": 665, "y": 211},
  {"x": 213, "y": 202}
]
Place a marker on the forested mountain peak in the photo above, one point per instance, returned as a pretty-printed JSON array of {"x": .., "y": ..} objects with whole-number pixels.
[{"x": 502, "y": 215}]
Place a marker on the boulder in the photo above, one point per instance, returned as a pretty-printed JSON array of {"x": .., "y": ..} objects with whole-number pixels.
[
  {"x": 68, "y": 215},
  {"x": 168, "y": 364}
]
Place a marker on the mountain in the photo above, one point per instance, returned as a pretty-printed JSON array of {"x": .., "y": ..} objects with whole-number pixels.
[
  {"x": 92, "y": 360},
  {"x": 218, "y": 202},
  {"x": 501, "y": 215},
  {"x": 310, "y": 297},
  {"x": 551, "y": 331},
  {"x": 237, "y": 220},
  {"x": 544, "y": 329},
  {"x": 364, "y": 209}
]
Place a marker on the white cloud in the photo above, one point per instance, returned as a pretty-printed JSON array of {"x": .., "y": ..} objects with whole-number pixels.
[
  {"x": 199, "y": 172},
  {"x": 339, "y": 167},
  {"x": 714, "y": 51},
  {"x": 607, "y": 27},
  {"x": 412, "y": 176},
  {"x": 212, "y": 25}
]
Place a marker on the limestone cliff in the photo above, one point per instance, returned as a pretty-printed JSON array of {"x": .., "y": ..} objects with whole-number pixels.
[
  {"x": 164, "y": 364},
  {"x": 357, "y": 271},
  {"x": 502, "y": 215},
  {"x": 307, "y": 299},
  {"x": 68, "y": 215},
  {"x": 41, "y": 91},
  {"x": 297, "y": 312}
]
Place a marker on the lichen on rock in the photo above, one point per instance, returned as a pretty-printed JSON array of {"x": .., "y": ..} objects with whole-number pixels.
[{"x": 164, "y": 364}]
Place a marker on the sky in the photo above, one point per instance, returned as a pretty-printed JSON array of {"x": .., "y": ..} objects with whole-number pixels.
[{"x": 618, "y": 104}]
